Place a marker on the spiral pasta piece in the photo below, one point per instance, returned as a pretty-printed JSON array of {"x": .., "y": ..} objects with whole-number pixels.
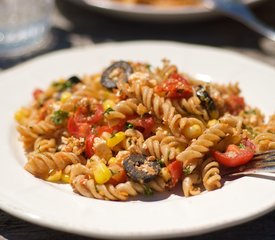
[
  {"x": 191, "y": 105},
  {"x": 163, "y": 109},
  {"x": 40, "y": 164},
  {"x": 165, "y": 148},
  {"x": 122, "y": 109},
  {"x": 45, "y": 145},
  {"x": 134, "y": 141},
  {"x": 200, "y": 147},
  {"x": 89, "y": 188},
  {"x": 190, "y": 185},
  {"x": 211, "y": 177}
]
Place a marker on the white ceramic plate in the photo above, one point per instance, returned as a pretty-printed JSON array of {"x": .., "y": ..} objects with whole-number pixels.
[
  {"x": 56, "y": 206},
  {"x": 151, "y": 13}
]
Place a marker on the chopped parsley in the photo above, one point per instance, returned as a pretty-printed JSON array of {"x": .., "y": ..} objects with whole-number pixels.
[
  {"x": 59, "y": 117},
  {"x": 270, "y": 131},
  {"x": 129, "y": 125},
  {"x": 160, "y": 162},
  {"x": 148, "y": 191},
  {"x": 61, "y": 86},
  {"x": 187, "y": 170},
  {"x": 108, "y": 110},
  {"x": 242, "y": 146}
]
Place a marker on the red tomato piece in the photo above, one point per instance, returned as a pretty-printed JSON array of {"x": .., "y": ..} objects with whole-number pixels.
[
  {"x": 176, "y": 86},
  {"x": 102, "y": 129},
  {"x": 234, "y": 155},
  {"x": 89, "y": 145},
  {"x": 82, "y": 115},
  {"x": 146, "y": 123},
  {"x": 36, "y": 93},
  {"x": 78, "y": 129},
  {"x": 120, "y": 126},
  {"x": 176, "y": 170},
  {"x": 118, "y": 174},
  {"x": 235, "y": 104}
]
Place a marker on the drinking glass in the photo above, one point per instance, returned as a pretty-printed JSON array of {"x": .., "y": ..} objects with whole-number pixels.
[{"x": 24, "y": 25}]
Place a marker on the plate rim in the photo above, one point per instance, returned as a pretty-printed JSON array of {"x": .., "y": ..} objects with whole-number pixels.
[{"x": 150, "y": 13}]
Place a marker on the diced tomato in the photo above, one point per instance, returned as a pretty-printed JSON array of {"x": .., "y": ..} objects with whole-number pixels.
[
  {"x": 77, "y": 129},
  {"x": 146, "y": 123},
  {"x": 89, "y": 145},
  {"x": 234, "y": 104},
  {"x": 82, "y": 115},
  {"x": 175, "y": 168},
  {"x": 102, "y": 129},
  {"x": 120, "y": 126},
  {"x": 36, "y": 93},
  {"x": 118, "y": 174},
  {"x": 176, "y": 86},
  {"x": 235, "y": 155}
]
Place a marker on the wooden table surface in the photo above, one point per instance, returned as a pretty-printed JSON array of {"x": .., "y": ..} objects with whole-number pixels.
[{"x": 76, "y": 26}]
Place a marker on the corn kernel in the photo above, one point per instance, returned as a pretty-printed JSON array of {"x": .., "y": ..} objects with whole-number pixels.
[
  {"x": 65, "y": 96},
  {"x": 55, "y": 176},
  {"x": 212, "y": 122},
  {"x": 108, "y": 104},
  {"x": 21, "y": 114},
  {"x": 102, "y": 173},
  {"x": 165, "y": 174},
  {"x": 65, "y": 178},
  {"x": 112, "y": 160},
  {"x": 193, "y": 131},
  {"x": 116, "y": 139}
]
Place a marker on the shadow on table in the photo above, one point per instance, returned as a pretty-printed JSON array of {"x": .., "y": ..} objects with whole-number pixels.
[{"x": 215, "y": 32}]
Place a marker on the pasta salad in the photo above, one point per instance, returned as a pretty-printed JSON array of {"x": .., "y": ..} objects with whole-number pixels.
[{"x": 135, "y": 129}]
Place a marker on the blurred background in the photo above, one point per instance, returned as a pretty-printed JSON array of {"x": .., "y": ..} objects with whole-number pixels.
[{"x": 75, "y": 25}]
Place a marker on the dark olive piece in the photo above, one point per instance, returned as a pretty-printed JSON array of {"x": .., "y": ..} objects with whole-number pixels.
[
  {"x": 108, "y": 82},
  {"x": 207, "y": 102},
  {"x": 74, "y": 80},
  {"x": 140, "y": 169}
]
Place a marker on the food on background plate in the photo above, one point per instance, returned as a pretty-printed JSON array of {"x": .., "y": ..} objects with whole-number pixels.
[
  {"x": 162, "y": 3},
  {"x": 136, "y": 129}
]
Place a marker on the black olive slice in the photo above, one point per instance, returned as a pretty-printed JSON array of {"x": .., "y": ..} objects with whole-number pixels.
[
  {"x": 110, "y": 83},
  {"x": 140, "y": 169},
  {"x": 207, "y": 102},
  {"x": 74, "y": 80}
]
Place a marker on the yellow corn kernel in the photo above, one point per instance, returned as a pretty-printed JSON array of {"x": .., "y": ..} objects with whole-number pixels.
[
  {"x": 102, "y": 173},
  {"x": 108, "y": 104},
  {"x": 21, "y": 114},
  {"x": 193, "y": 131},
  {"x": 65, "y": 96},
  {"x": 65, "y": 178},
  {"x": 116, "y": 139},
  {"x": 212, "y": 122},
  {"x": 165, "y": 174},
  {"x": 54, "y": 176},
  {"x": 112, "y": 160}
]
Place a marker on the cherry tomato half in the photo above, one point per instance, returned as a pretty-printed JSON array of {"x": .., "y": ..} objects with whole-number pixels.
[{"x": 176, "y": 86}]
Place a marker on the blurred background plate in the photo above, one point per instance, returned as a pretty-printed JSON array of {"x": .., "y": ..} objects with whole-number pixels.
[{"x": 140, "y": 12}]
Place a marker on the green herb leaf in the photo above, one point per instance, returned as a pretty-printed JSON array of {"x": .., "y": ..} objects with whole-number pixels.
[
  {"x": 242, "y": 146},
  {"x": 59, "y": 117},
  {"x": 161, "y": 163},
  {"x": 129, "y": 125},
  {"x": 108, "y": 110},
  {"x": 148, "y": 191},
  {"x": 187, "y": 170}
]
